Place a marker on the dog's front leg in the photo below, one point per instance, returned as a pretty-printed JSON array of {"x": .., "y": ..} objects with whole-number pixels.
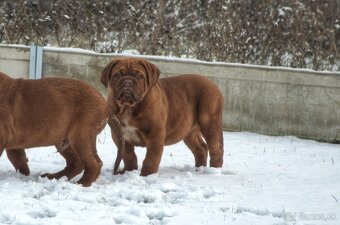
[
  {"x": 129, "y": 158},
  {"x": 152, "y": 159},
  {"x": 154, "y": 151}
]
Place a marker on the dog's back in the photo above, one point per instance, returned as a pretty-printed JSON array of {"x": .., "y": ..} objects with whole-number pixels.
[{"x": 41, "y": 112}]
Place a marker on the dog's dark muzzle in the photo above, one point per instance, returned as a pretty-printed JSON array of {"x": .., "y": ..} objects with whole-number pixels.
[
  {"x": 127, "y": 95},
  {"x": 127, "y": 91}
]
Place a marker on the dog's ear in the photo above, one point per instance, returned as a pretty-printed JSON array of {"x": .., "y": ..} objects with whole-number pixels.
[
  {"x": 152, "y": 72},
  {"x": 106, "y": 73}
]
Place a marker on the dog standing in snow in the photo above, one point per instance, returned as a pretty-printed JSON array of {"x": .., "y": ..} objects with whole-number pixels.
[{"x": 154, "y": 112}]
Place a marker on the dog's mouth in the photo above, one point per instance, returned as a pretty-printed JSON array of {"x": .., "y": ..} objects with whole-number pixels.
[
  {"x": 127, "y": 92},
  {"x": 127, "y": 97}
]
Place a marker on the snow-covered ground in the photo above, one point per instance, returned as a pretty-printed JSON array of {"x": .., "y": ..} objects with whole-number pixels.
[{"x": 265, "y": 180}]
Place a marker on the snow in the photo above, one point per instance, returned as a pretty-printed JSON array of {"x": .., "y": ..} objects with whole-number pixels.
[
  {"x": 282, "y": 11},
  {"x": 265, "y": 180}
]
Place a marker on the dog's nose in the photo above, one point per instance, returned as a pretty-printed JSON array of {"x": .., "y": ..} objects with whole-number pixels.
[{"x": 127, "y": 83}]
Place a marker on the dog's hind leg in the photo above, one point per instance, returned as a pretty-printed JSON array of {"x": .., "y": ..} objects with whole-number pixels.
[
  {"x": 74, "y": 166},
  {"x": 210, "y": 122},
  {"x": 198, "y": 147},
  {"x": 85, "y": 148},
  {"x": 19, "y": 160},
  {"x": 214, "y": 138}
]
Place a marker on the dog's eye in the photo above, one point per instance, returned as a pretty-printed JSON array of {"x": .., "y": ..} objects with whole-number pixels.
[
  {"x": 138, "y": 75},
  {"x": 118, "y": 75}
]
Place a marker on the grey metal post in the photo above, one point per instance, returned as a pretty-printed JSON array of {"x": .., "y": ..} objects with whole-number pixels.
[
  {"x": 31, "y": 74},
  {"x": 36, "y": 60},
  {"x": 39, "y": 62}
]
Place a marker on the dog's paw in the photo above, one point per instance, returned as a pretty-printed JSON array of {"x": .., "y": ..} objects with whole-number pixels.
[
  {"x": 118, "y": 172},
  {"x": 52, "y": 176}
]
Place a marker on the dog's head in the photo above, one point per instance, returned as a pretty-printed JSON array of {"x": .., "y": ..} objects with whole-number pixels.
[{"x": 129, "y": 79}]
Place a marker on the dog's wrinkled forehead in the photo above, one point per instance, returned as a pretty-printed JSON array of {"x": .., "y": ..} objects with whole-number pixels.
[
  {"x": 128, "y": 66},
  {"x": 139, "y": 68}
]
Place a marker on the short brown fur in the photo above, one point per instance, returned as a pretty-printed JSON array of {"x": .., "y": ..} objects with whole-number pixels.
[
  {"x": 52, "y": 111},
  {"x": 154, "y": 112}
]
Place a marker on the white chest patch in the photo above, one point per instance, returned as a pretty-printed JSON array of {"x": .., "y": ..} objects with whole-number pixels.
[{"x": 130, "y": 132}]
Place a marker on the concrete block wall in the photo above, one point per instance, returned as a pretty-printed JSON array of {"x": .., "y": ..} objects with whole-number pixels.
[
  {"x": 14, "y": 60},
  {"x": 267, "y": 100}
]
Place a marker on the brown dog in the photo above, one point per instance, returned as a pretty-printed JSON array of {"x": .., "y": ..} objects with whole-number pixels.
[
  {"x": 155, "y": 112},
  {"x": 52, "y": 111}
]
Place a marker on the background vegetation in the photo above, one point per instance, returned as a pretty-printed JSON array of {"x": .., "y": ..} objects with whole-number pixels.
[{"x": 294, "y": 33}]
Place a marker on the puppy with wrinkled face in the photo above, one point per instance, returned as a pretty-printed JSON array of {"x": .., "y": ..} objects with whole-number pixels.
[
  {"x": 151, "y": 112},
  {"x": 52, "y": 111}
]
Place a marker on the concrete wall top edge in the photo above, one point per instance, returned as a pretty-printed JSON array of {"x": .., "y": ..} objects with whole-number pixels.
[
  {"x": 14, "y": 46},
  {"x": 78, "y": 51},
  {"x": 218, "y": 70},
  {"x": 188, "y": 61}
]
